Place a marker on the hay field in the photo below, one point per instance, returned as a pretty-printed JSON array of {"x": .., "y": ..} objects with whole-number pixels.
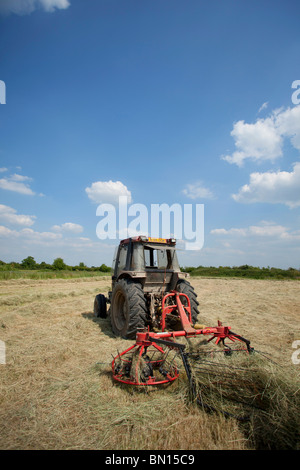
[{"x": 56, "y": 389}]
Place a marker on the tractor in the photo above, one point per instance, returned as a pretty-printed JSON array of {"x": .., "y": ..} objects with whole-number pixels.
[{"x": 144, "y": 271}]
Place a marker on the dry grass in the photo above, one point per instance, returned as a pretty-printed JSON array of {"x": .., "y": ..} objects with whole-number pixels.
[
  {"x": 57, "y": 392},
  {"x": 261, "y": 394}
]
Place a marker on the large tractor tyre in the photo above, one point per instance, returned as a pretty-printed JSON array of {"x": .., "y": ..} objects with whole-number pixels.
[
  {"x": 100, "y": 309},
  {"x": 128, "y": 308},
  {"x": 186, "y": 288}
]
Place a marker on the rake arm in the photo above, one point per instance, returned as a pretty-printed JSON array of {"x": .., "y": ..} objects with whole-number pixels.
[{"x": 134, "y": 363}]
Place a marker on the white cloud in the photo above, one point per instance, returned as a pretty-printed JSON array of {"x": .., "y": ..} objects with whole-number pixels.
[
  {"x": 288, "y": 125},
  {"x": 46, "y": 246},
  {"x": 17, "y": 184},
  {"x": 29, "y": 234},
  {"x": 108, "y": 192},
  {"x": 259, "y": 141},
  {"x": 25, "y": 7},
  {"x": 232, "y": 231},
  {"x": 263, "y": 140},
  {"x": 18, "y": 178},
  {"x": 272, "y": 187},
  {"x": 3, "y": 169},
  {"x": 266, "y": 243},
  {"x": 267, "y": 230},
  {"x": 5, "y": 232},
  {"x": 197, "y": 191},
  {"x": 264, "y": 229},
  {"x": 9, "y": 215},
  {"x": 294, "y": 235},
  {"x": 68, "y": 227},
  {"x": 38, "y": 236},
  {"x": 263, "y": 106}
]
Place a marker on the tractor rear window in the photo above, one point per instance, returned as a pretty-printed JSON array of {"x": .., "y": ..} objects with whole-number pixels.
[{"x": 155, "y": 258}]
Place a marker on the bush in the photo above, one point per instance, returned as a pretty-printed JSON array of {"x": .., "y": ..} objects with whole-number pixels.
[
  {"x": 59, "y": 264},
  {"x": 29, "y": 263}
]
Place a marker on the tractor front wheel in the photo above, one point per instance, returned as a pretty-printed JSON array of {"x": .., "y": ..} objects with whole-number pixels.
[{"x": 100, "y": 309}]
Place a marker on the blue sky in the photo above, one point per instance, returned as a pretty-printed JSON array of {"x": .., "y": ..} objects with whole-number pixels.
[{"x": 166, "y": 101}]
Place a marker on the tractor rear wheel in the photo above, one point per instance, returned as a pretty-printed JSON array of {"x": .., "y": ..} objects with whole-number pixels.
[
  {"x": 128, "y": 308},
  {"x": 186, "y": 288}
]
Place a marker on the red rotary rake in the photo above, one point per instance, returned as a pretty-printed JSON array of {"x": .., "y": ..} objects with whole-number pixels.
[{"x": 152, "y": 359}]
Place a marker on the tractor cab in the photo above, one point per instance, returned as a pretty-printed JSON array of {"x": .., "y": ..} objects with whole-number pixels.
[{"x": 151, "y": 260}]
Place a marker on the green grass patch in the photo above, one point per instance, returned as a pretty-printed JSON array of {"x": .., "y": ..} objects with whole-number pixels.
[{"x": 39, "y": 274}]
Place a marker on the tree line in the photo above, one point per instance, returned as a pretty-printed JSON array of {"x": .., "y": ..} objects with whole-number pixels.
[
  {"x": 244, "y": 271},
  {"x": 58, "y": 264}
]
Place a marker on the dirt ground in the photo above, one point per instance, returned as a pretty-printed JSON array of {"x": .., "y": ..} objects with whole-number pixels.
[{"x": 56, "y": 390}]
